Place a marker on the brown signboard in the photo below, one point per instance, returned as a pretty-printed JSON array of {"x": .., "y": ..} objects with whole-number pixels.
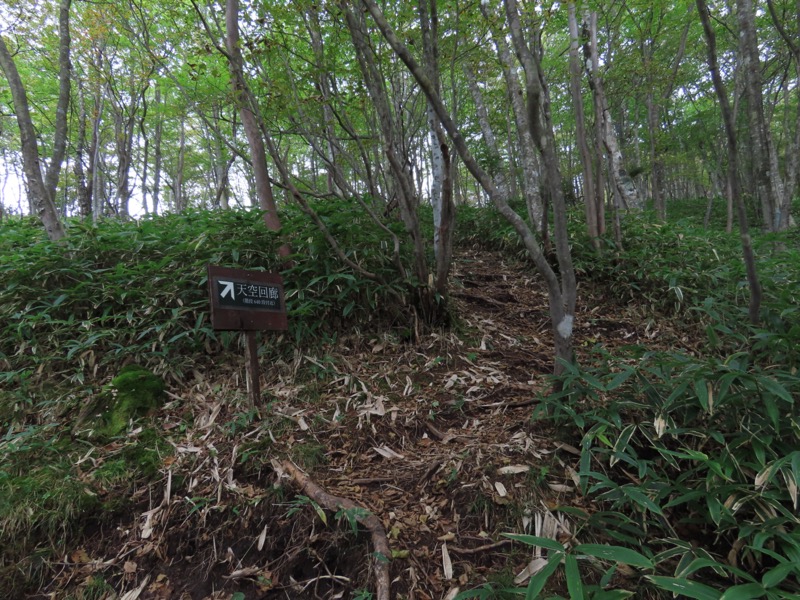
[{"x": 246, "y": 300}]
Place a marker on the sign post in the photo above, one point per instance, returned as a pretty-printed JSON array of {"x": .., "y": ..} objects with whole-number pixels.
[{"x": 247, "y": 301}]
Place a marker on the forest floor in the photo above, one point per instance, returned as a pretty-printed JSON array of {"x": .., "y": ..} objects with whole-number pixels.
[{"x": 432, "y": 435}]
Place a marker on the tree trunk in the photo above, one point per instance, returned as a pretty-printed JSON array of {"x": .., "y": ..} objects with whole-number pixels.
[
  {"x": 404, "y": 190},
  {"x": 562, "y": 304},
  {"x": 733, "y": 164},
  {"x": 528, "y": 137},
  {"x": 442, "y": 175},
  {"x": 157, "y": 155},
  {"x": 123, "y": 128},
  {"x": 39, "y": 189},
  {"x": 145, "y": 153},
  {"x": 561, "y": 299},
  {"x": 62, "y": 108},
  {"x": 623, "y": 184},
  {"x": 767, "y": 175},
  {"x": 656, "y": 164},
  {"x": 592, "y": 201},
  {"x": 177, "y": 191},
  {"x": 247, "y": 113},
  {"x": 793, "y": 147},
  {"x": 84, "y": 189}
]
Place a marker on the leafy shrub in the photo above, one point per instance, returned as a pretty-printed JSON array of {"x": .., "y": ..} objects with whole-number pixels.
[
  {"x": 136, "y": 291},
  {"x": 691, "y": 462}
]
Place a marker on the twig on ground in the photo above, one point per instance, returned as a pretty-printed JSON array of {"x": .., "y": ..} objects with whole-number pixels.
[{"x": 479, "y": 549}]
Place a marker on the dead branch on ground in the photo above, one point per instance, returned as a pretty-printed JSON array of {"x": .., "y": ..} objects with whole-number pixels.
[{"x": 382, "y": 554}]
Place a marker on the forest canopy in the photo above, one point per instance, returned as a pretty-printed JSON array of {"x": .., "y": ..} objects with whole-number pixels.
[{"x": 133, "y": 100}]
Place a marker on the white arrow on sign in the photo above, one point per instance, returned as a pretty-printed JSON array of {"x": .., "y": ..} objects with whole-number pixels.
[{"x": 228, "y": 289}]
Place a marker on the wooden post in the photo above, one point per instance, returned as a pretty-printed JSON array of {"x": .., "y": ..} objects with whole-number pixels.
[
  {"x": 252, "y": 369},
  {"x": 247, "y": 301}
]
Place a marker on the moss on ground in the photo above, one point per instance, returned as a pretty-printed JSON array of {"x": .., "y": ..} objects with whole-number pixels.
[{"x": 135, "y": 392}]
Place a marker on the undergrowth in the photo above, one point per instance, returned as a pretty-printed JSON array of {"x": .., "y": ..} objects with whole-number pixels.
[
  {"x": 75, "y": 317},
  {"x": 687, "y": 480},
  {"x": 137, "y": 291},
  {"x": 689, "y": 461}
]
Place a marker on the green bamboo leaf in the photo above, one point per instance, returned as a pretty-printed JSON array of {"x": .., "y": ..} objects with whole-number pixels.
[
  {"x": 59, "y": 300},
  {"x": 573, "y": 574},
  {"x": 621, "y": 445},
  {"x": 775, "y": 576},
  {"x": 486, "y": 591},
  {"x": 746, "y": 591},
  {"x": 701, "y": 389},
  {"x": 619, "y": 379},
  {"x": 768, "y": 473},
  {"x": 616, "y": 554},
  {"x": 703, "y": 563},
  {"x": 772, "y": 386},
  {"x": 685, "y": 587},
  {"x": 532, "y": 540},
  {"x": 640, "y": 498},
  {"x": 538, "y": 581}
]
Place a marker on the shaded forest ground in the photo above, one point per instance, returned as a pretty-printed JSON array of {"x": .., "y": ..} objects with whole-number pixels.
[
  {"x": 449, "y": 437},
  {"x": 434, "y": 436}
]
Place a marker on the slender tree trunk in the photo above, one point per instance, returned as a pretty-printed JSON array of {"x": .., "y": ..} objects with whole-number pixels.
[
  {"x": 62, "y": 108},
  {"x": 793, "y": 147},
  {"x": 41, "y": 190},
  {"x": 323, "y": 76},
  {"x": 97, "y": 191},
  {"x": 600, "y": 187},
  {"x": 528, "y": 135},
  {"x": 157, "y": 156},
  {"x": 248, "y": 112},
  {"x": 123, "y": 128},
  {"x": 442, "y": 176},
  {"x": 657, "y": 165},
  {"x": 561, "y": 300},
  {"x": 145, "y": 140},
  {"x": 404, "y": 191},
  {"x": 733, "y": 164},
  {"x": 562, "y": 305},
  {"x": 622, "y": 182},
  {"x": 591, "y": 199},
  {"x": 767, "y": 174},
  {"x": 178, "y": 197},
  {"x": 84, "y": 190}
]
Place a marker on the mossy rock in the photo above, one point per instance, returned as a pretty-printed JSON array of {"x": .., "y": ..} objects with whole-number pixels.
[{"x": 134, "y": 393}]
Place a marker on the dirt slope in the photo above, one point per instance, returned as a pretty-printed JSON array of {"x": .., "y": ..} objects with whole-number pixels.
[{"x": 432, "y": 435}]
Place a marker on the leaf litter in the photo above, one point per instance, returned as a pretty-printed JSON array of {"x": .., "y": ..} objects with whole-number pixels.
[{"x": 434, "y": 438}]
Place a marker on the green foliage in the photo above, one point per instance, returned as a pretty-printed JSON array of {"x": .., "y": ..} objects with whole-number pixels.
[
  {"x": 137, "y": 291},
  {"x": 486, "y": 228},
  {"x": 46, "y": 497},
  {"x": 687, "y": 458},
  {"x": 41, "y": 493},
  {"x": 324, "y": 296},
  {"x": 690, "y": 460},
  {"x": 692, "y": 468},
  {"x": 664, "y": 268}
]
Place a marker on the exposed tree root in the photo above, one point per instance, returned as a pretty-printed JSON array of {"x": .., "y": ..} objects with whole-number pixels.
[{"x": 382, "y": 554}]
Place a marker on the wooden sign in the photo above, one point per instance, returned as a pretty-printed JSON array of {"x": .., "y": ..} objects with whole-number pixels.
[
  {"x": 248, "y": 301},
  {"x": 244, "y": 300}
]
